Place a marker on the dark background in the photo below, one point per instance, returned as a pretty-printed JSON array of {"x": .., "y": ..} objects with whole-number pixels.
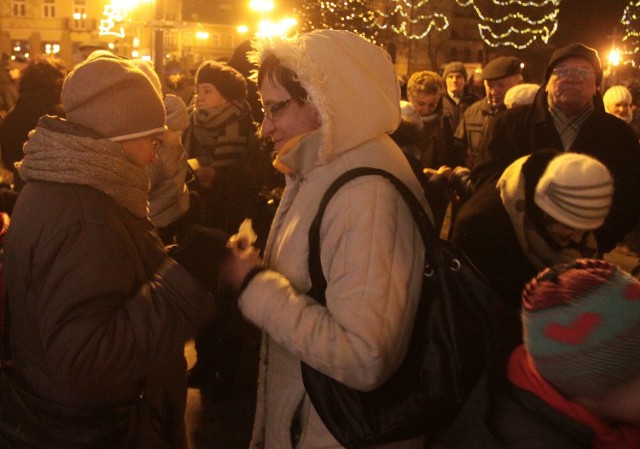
[{"x": 589, "y": 22}]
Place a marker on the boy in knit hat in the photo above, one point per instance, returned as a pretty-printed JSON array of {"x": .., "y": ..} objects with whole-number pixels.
[
  {"x": 457, "y": 97},
  {"x": 99, "y": 312},
  {"x": 575, "y": 382}
]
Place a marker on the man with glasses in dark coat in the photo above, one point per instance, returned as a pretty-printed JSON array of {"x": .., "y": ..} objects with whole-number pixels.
[{"x": 568, "y": 115}]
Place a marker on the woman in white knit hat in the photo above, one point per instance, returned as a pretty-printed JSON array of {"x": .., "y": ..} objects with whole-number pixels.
[
  {"x": 618, "y": 101},
  {"x": 541, "y": 212},
  {"x": 98, "y": 311}
]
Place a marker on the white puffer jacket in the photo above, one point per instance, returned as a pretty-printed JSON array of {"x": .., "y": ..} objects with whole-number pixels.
[{"x": 372, "y": 253}]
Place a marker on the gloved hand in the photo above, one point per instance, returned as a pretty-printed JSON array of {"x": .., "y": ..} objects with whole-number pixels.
[{"x": 200, "y": 251}]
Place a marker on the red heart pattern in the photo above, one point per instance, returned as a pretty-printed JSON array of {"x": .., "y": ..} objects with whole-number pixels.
[{"x": 576, "y": 332}]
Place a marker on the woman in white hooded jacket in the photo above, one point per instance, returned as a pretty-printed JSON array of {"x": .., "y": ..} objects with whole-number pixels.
[{"x": 331, "y": 98}]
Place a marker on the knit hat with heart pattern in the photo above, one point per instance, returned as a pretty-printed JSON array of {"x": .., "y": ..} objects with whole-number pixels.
[{"x": 582, "y": 326}]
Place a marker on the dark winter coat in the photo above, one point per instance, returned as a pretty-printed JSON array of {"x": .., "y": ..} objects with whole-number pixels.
[
  {"x": 483, "y": 230},
  {"x": 455, "y": 110},
  {"x": 471, "y": 133},
  {"x": 529, "y": 128},
  {"x": 521, "y": 420},
  {"x": 99, "y": 312}
]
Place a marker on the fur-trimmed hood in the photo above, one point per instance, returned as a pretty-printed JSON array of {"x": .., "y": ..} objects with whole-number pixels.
[{"x": 349, "y": 80}]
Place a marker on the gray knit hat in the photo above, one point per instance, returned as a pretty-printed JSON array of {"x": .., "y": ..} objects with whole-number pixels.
[
  {"x": 455, "y": 66},
  {"x": 576, "y": 190},
  {"x": 109, "y": 95}
]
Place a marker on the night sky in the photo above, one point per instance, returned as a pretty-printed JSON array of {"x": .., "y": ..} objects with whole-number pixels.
[{"x": 589, "y": 21}]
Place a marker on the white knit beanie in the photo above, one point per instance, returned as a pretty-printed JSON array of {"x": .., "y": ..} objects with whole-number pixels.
[
  {"x": 112, "y": 97},
  {"x": 520, "y": 94},
  {"x": 615, "y": 95},
  {"x": 576, "y": 190}
]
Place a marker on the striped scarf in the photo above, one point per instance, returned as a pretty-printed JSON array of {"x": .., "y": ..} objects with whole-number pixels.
[
  {"x": 218, "y": 137},
  {"x": 569, "y": 127}
]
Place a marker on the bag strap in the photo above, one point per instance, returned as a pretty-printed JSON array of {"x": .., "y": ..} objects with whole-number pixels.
[{"x": 427, "y": 231}]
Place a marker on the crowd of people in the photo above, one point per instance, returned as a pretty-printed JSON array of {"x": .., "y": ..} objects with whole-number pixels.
[{"x": 126, "y": 228}]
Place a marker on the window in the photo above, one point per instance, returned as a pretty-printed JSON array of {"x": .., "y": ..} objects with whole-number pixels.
[
  {"x": 215, "y": 40},
  {"x": 51, "y": 48},
  {"x": 169, "y": 39},
  {"x": 49, "y": 8},
  {"x": 19, "y": 8},
  {"x": 79, "y": 14}
]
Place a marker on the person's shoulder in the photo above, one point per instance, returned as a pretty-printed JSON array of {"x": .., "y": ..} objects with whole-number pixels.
[
  {"x": 469, "y": 97},
  {"x": 515, "y": 114},
  {"x": 617, "y": 130},
  {"x": 69, "y": 201},
  {"x": 476, "y": 106}
]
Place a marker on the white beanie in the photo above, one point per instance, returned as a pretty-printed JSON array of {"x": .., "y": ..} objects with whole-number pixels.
[
  {"x": 576, "y": 190},
  {"x": 109, "y": 95},
  {"x": 520, "y": 94},
  {"x": 615, "y": 95}
]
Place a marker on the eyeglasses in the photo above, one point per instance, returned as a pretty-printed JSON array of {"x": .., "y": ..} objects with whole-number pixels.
[
  {"x": 581, "y": 73},
  {"x": 271, "y": 110}
]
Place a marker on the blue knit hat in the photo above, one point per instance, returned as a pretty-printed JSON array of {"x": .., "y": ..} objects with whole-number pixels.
[{"x": 582, "y": 326}]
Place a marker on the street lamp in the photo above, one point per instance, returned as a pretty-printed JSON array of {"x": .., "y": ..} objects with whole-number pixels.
[
  {"x": 262, "y": 6},
  {"x": 281, "y": 28},
  {"x": 614, "y": 57}
]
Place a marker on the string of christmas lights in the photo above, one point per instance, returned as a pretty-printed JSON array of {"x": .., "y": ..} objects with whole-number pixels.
[
  {"x": 533, "y": 3},
  {"x": 514, "y": 23},
  {"x": 526, "y": 36},
  {"x": 530, "y": 21},
  {"x": 414, "y": 20}
]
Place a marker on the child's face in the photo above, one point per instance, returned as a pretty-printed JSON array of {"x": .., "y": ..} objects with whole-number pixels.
[{"x": 207, "y": 96}]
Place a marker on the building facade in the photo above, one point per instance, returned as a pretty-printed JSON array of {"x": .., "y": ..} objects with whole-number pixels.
[{"x": 32, "y": 27}]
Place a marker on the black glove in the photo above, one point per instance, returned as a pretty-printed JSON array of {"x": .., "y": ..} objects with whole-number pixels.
[{"x": 200, "y": 251}]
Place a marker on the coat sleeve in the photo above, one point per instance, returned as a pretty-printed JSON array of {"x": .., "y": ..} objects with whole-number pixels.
[
  {"x": 372, "y": 258},
  {"x": 95, "y": 318}
]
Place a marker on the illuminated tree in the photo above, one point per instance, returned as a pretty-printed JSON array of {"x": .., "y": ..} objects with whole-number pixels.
[
  {"x": 352, "y": 15},
  {"x": 631, "y": 39},
  {"x": 515, "y": 23}
]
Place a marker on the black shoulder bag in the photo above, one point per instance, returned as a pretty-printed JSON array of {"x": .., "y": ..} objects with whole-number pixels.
[{"x": 450, "y": 349}]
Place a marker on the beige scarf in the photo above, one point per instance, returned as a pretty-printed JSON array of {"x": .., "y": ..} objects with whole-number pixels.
[{"x": 99, "y": 163}]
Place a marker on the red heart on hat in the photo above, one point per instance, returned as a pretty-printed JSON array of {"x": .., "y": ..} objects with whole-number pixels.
[{"x": 576, "y": 332}]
